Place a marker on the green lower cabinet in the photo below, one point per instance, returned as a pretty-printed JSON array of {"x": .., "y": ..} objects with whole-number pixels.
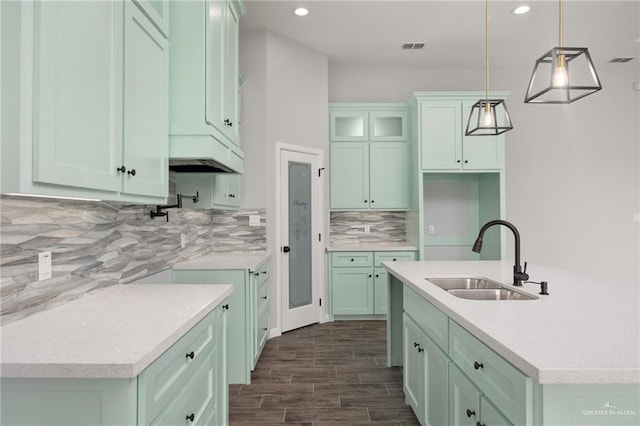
[
  {"x": 380, "y": 290},
  {"x": 249, "y": 314},
  {"x": 352, "y": 291},
  {"x": 490, "y": 415},
  {"x": 425, "y": 376},
  {"x": 171, "y": 389}
]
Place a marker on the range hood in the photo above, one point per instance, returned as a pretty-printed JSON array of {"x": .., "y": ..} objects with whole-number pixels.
[
  {"x": 204, "y": 154},
  {"x": 198, "y": 166}
]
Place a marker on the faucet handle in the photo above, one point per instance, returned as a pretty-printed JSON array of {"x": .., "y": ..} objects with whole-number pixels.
[{"x": 525, "y": 268}]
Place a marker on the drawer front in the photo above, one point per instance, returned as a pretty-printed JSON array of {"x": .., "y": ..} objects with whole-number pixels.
[
  {"x": 262, "y": 332},
  {"x": 393, "y": 256},
  {"x": 501, "y": 382},
  {"x": 198, "y": 399},
  {"x": 352, "y": 258},
  {"x": 433, "y": 322},
  {"x": 262, "y": 295},
  {"x": 161, "y": 382}
]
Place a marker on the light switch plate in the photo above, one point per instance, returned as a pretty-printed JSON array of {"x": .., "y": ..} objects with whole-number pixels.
[
  {"x": 44, "y": 265},
  {"x": 367, "y": 229},
  {"x": 183, "y": 240},
  {"x": 254, "y": 220}
]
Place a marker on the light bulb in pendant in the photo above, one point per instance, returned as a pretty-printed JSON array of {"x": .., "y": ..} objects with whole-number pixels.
[
  {"x": 487, "y": 116},
  {"x": 560, "y": 76}
]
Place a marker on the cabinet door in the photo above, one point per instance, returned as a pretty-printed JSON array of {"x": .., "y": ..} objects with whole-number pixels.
[
  {"x": 436, "y": 383},
  {"x": 388, "y": 126},
  {"x": 230, "y": 83},
  {"x": 381, "y": 291},
  {"x": 464, "y": 399},
  {"x": 441, "y": 135},
  {"x": 235, "y": 190},
  {"x": 77, "y": 94},
  {"x": 412, "y": 370},
  {"x": 481, "y": 152},
  {"x": 352, "y": 291},
  {"x": 158, "y": 12},
  {"x": 146, "y": 106},
  {"x": 490, "y": 416},
  {"x": 222, "y": 381},
  {"x": 349, "y": 126},
  {"x": 349, "y": 175},
  {"x": 388, "y": 175},
  {"x": 214, "y": 63}
]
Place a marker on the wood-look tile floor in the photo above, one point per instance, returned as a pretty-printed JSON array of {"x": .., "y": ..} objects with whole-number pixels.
[{"x": 324, "y": 374}]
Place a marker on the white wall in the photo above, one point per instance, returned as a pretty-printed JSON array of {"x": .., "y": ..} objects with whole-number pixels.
[
  {"x": 572, "y": 171},
  {"x": 285, "y": 100}
]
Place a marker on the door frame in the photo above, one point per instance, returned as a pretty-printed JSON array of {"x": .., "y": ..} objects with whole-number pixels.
[{"x": 318, "y": 256}]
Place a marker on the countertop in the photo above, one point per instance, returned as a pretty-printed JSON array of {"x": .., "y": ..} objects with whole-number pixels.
[
  {"x": 585, "y": 331},
  {"x": 372, "y": 247},
  {"x": 226, "y": 260},
  {"x": 115, "y": 332}
]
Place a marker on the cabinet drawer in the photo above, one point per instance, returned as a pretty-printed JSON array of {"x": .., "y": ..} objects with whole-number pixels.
[
  {"x": 262, "y": 333},
  {"x": 501, "y": 382},
  {"x": 198, "y": 399},
  {"x": 164, "y": 380},
  {"x": 262, "y": 295},
  {"x": 433, "y": 322},
  {"x": 393, "y": 256},
  {"x": 352, "y": 258}
]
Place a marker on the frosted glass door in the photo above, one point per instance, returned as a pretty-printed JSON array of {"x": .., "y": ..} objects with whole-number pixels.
[{"x": 300, "y": 288}]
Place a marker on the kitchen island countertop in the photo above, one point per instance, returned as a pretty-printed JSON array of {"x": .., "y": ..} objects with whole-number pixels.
[
  {"x": 586, "y": 330},
  {"x": 115, "y": 332}
]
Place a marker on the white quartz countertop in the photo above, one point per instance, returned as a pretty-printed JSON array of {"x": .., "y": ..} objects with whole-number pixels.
[
  {"x": 226, "y": 260},
  {"x": 115, "y": 332},
  {"x": 585, "y": 331},
  {"x": 372, "y": 247}
]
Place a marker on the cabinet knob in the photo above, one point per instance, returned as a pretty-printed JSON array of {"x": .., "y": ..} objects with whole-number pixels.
[
  {"x": 365, "y": 201},
  {"x": 416, "y": 344},
  {"x": 264, "y": 272},
  {"x": 377, "y": 275},
  {"x": 458, "y": 161},
  {"x": 132, "y": 172},
  {"x": 470, "y": 413},
  {"x": 225, "y": 306},
  {"x": 373, "y": 201},
  {"x": 394, "y": 259},
  {"x": 477, "y": 365},
  {"x": 122, "y": 169},
  {"x": 191, "y": 417},
  {"x": 370, "y": 275},
  {"x": 265, "y": 329},
  {"x": 264, "y": 297},
  {"x": 466, "y": 161},
  {"x": 191, "y": 355},
  {"x": 420, "y": 350},
  {"x": 352, "y": 260},
  {"x": 480, "y": 424}
]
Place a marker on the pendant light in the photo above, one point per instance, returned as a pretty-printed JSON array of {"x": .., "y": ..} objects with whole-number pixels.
[
  {"x": 488, "y": 117},
  {"x": 563, "y": 74}
]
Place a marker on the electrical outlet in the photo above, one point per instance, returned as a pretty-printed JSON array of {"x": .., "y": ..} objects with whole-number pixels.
[
  {"x": 367, "y": 229},
  {"x": 183, "y": 240},
  {"x": 254, "y": 220},
  {"x": 44, "y": 265},
  {"x": 432, "y": 229}
]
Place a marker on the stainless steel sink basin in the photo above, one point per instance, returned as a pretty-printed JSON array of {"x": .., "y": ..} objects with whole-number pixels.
[
  {"x": 491, "y": 294},
  {"x": 464, "y": 283}
]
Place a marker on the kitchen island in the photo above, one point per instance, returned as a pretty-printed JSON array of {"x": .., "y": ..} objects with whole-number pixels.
[
  {"x": 124, "y": 355},
  {"x": 569, "y": 358}
]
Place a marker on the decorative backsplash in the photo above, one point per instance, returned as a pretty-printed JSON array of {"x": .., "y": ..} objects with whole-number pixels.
[
  {"x": 384, "y": 227},
  {"x": 97, "y": 244}
]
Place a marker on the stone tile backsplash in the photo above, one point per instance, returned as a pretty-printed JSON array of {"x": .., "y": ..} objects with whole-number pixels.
[
  {"x": 385, "y": 227},
  {"x": 97, "y": 244}
]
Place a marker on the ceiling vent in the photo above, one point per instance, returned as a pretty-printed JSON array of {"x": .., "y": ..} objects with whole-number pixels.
[
  {"x": 412, "y": 46},
  {"x": 620, "y": 60}
]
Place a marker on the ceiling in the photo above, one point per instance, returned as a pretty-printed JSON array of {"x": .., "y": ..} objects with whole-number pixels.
[{"x": 372, "y": 32}]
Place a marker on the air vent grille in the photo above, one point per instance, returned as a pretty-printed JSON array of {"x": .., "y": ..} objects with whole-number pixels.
[
  {"x": 620, "y": 60},
  {"x": 412, "y": 46}
]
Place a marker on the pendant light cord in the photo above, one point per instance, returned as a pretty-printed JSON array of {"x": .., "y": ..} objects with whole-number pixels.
[
  {"x": 560, "y": 19},
  {"x": 486, "y": 48}
]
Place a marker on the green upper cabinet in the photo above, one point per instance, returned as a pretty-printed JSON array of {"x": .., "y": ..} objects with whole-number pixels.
[
  {"x": 442, "y": 120},
  {"x": 89, "y": 86},
  {"x": 369, "y": 157},
  {"x": 204, "y": 86},
  {"x": 158, "y": 12},
  {"x": 219, "y": 191}
]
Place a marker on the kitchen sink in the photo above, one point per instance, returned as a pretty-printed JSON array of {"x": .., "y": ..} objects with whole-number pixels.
[
  {"x": 479, "y": 289},
  {"x": 463, "y": 283},
  {"x": 491, "y": 294}
]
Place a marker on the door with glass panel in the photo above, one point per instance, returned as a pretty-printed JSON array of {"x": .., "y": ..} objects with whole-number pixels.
[{"x": 300, "y": 225}]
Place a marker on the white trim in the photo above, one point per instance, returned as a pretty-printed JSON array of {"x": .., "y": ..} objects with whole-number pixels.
[{"x": 279, "y": 148}]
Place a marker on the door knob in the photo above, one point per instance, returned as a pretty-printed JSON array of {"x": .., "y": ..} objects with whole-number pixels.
[{"x": 286, "y": 249}]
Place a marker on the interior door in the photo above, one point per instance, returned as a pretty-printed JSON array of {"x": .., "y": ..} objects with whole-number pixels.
[{"x": 300, "y": 237}]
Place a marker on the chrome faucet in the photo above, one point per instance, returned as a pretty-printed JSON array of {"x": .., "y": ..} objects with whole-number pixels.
[{"x": 518, "y": 274}]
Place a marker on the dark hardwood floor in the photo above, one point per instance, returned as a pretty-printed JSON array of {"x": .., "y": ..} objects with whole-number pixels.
[{"x": 321, "y": 375}]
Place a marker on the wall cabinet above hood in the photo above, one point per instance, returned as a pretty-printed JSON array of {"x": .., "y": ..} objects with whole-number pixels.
[{"x": 204, "y": 87}]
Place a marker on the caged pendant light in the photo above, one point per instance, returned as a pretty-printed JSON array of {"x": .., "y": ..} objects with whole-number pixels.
[
  {"x": 563, "y": 74},
  {"x": 488, "y": 117}
]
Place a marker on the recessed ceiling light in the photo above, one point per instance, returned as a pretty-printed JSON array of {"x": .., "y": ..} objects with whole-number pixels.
[
  {"x": 301, "y": 11},
  {"x": 521, "y": 10}
]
